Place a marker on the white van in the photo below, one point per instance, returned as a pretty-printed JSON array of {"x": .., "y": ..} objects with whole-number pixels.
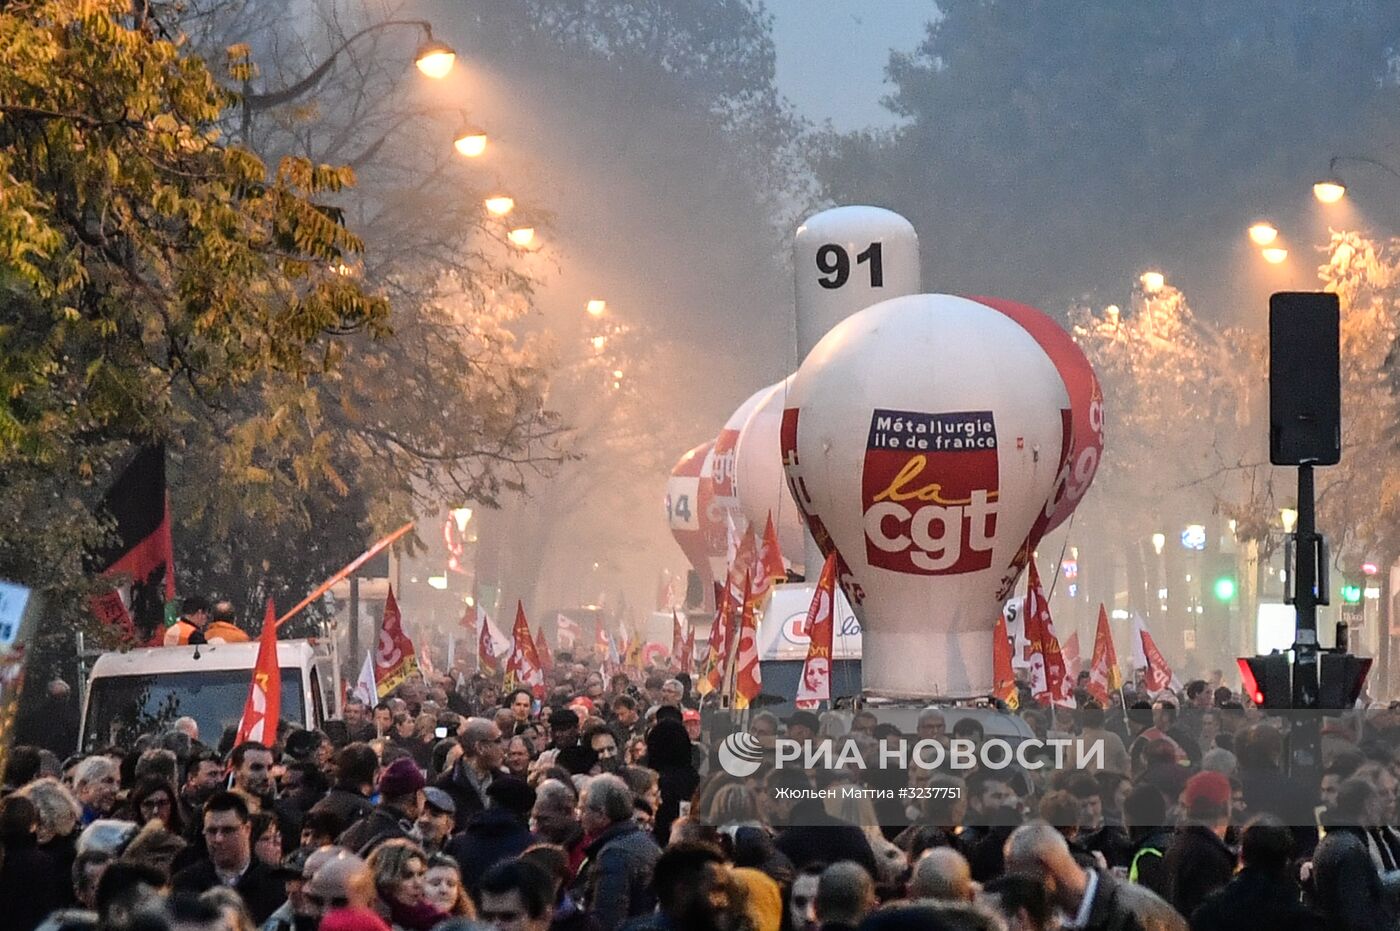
[{"x": 143, "y": 691}]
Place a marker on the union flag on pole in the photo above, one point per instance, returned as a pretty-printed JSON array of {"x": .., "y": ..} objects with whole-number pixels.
[
  {"x": 601, "y": 642},
  {"x": 491, "y": 645},
  {"x": 1157, "y": 675},
  {"x": 748, "y": 677},
  {"x": 394, "y": 657},
  {"x": 1050, "y": 682},
  {"x": 523, "y": 667},
  {"x": 769, "y": 562},
  {"x": 1072, "y": 658},
  {"x": 263, "y": 706},
  {"x": 815, "y": 684},
  {"x": 688, "y": 651},
  {"x": 567, "y": 631},
  {"x": 717, "y": 650},
  {"x": 1003, "y": 676},
  {"x": 542, "y": 650},
  {"x": 677, "y": 640},
  {"x": 1104, "y": 674}
]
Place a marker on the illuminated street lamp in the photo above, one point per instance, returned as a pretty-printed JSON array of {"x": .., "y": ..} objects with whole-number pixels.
[
  {"x": 596, "y": 308},
  {"x": 499, "y": 206},
  {"x": 1159, "y": 540},
  {"x": 1263, "y": 233},
  {"x": 434, "y": 58},
  {"x": 1274, "y": 255},
  {"x": 1152, "y": 282},
  {"x": 1329, "y": 190},
  {"x": 599, "y": 342},
  {"x": 1289, "y": 518},
  {"x": 522, "y": 236},
  {"x": 470, "y": 142}
]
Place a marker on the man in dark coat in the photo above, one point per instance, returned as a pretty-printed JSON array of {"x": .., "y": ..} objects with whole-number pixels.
[
  {"x": 483, "y": 752},
  {"x": 1261, "y": 895},
  {"x": 356, "y": 769},
  {"x": 615, "y": 878},
  {"x": 230, "y": 860},
  {"x": 400, "y": 803},
  {"x": 499, "y": 833},
  {"x": 1197, "y": 861},
  {"x": 808, "y": 833}
]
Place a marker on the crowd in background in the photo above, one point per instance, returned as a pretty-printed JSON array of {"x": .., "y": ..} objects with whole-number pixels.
[{"x": 451, "y": 804}]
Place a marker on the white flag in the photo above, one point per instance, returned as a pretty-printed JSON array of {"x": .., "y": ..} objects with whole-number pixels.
[{"x": 365, "y": 688}]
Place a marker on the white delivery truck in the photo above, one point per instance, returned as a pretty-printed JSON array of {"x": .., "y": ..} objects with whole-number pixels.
[{"x": 144, "y": 690}]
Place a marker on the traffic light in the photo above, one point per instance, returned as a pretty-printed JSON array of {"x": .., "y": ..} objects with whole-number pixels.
[
  {"x": 1342, "y": 676},
  {"x": 1351, "y": 592},
  {"x": 1224, "y": 587},
  {"x": 1268, "y": 680}
]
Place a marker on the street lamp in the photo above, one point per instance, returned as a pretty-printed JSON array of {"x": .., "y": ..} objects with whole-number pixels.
[
  {"x": 596, "y": 308},
  {"x": 1152, "y": 282},
  {"x": 434, "y": 58},
  {"x": 1159, "y": 540},
  {"x": 1263, "y": 233},
  {"x": 499, "y": 205},
  {"x": 522, "y": 236},
  {"x": 1329, "y": 190},
  {"x": 1274, "y": 255},
  {"x": 470, "y": 142},
  {"x": 1289, "y": 518},
  {"x": 598, "y": 343},
  {"x": 1332, "y": 188}
]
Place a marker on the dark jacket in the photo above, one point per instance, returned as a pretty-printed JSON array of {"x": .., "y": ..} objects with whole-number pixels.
[
  {"x": 615, "y": 879},
  {"x": 346, "y": 803},
  {"x": 814, "y": 836},
  {"x": 1281, "y": 795},
  {"x": 260, "y": 890},
  {"x": 1255, "y": 899},
  {"x": 382, "y": 824},
  {"x": 1346, "y": 884},
  {"x": 465, "y": 796},
  {"x": 1147, "y": 864},
  {"x": 1122, "y": 906},
  {"x": 27, "y": 886},
  {"x": 492, "y": 836},
  {"x": 668, "y": 752},
  {"x": 1197, "y": 864}
]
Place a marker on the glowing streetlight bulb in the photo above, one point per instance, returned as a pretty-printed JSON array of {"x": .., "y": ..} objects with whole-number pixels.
[
  {"x": 1274, "y": 255},
  {"x": 596, "y": 308},
  {"x": 499, "y": 206},
  {"x": 599, "y": 342},
  {"x": 435, "y": 59},
  {"x": 1111, "y": 313},
  {"x": 1263, "y": 233},
  {"x": 470, "y": 142},
  {"x": 1289, "y": 518},
  {"x": 617, "y": 373},
  {"x": 522, "y": 236},
  {"x": 1329, "y": 190},
  {"x": 1152, "y": 282},
  {"x": 1159, "y": 540}
]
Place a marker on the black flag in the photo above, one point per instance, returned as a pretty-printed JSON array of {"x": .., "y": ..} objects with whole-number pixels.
[{"x": 143, "y": 550}]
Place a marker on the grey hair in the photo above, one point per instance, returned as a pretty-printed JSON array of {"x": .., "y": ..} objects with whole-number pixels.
[
  {"x": 108, "y": 835},
  {"x": 93, "y": 768},
  {"x": 59, "y": 810},
  {"x": 609, "y": 796},
  {"x": 554, "y": 794}
]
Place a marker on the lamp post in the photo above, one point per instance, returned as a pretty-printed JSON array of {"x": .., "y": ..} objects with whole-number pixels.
[{"x": 1332, "y": 188}]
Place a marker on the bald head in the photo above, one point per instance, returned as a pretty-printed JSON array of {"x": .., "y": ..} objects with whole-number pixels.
[
  {"x": 942, "y": 873},
  {"x": 845, "y": 894},
  {"x": 341, "y": 882},
  {"x": 1038, "y": 850}
]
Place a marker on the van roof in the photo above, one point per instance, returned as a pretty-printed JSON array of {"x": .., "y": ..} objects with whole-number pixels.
[{"x": 212, "y": 656}]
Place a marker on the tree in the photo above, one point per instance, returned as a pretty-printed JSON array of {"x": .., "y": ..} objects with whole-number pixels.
[
  {"x": 1047, "y": 144},
  {"x": 149, "y": 267}
]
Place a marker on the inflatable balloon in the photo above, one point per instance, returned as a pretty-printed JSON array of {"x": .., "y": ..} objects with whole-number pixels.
[
  {"x": 922, "y": 438},
  {"x": 1085, "y": 401},
  {"x": 686, "y": 511},
  {"x": 712, "y": 523},
  {"x": 843, "y": 260},
  {"x": 758, "y": 474},
  {"x": 726, "y": 495}
]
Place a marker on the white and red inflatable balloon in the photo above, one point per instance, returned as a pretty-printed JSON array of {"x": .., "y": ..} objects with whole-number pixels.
[
  {"x": 759, "y": 481},
  {"x": 724, "y": 456},
  {"x": 690, "y": 512},
  {"x": 924, "y": 439}
]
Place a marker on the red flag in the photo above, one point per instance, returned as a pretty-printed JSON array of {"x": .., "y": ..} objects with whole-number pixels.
[
  {"x": 748, "y": 680},
  {"x": 566, "y": 633},
  {"x": 263, "y": 706},
  {"x": 1104, "y": 674},
  {"x": 1158, "y": 676},
  {"x": 1072, "y": 658},
  {"x": 768, "y": 561},
  {"x": 815, "y": 684},
  {"x": 602, "y": 643},
  {"x": 1049, "y": 681},
  {"x": 677, "y": 640},
  {"x": 489, "y": 645},
  {"x": 688, "y": 651},
  {"x": 1003, "y": 677},
  {"x": 394, "y": 657},
  {"x": 717, "y": 650},
  {"x": 523, "y": 667},
  {"x": 542, "y": 651}
]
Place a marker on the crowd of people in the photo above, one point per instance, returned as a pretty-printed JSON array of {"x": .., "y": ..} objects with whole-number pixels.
[{"x": 452, "y": 805}]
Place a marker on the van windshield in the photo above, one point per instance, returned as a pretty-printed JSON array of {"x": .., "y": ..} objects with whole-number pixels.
[{"x": 124, "y": 707}]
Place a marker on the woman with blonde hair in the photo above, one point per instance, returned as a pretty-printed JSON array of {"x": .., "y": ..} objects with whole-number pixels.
[
  {"x": 400, "y": 867},
  {"x": 443, "y": 889}
]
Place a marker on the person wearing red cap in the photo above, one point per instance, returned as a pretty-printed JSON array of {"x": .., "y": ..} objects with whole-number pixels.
[
  {"x": 401, "y": 801},
  {"x": 1198, "y": 862}
]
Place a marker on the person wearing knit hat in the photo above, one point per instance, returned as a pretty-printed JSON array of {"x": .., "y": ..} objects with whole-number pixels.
[
  {"x": 401, "y": 800},
  {"x": 763, "y": 900},
  {"x": 1197, "y": 861}
]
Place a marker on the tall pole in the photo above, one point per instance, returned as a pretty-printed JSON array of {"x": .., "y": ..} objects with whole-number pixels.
[
  {"x": 1305, "y": 744},
  {"x": 355, "y": 622}
]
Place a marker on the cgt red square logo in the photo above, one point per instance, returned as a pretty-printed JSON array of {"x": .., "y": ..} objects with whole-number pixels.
[{"x": 930, "y": 490}]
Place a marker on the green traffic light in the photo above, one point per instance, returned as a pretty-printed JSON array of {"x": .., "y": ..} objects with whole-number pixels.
[
  {"x": 1351, "y": 594},
  {"x": 1225, "y": 588}
]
